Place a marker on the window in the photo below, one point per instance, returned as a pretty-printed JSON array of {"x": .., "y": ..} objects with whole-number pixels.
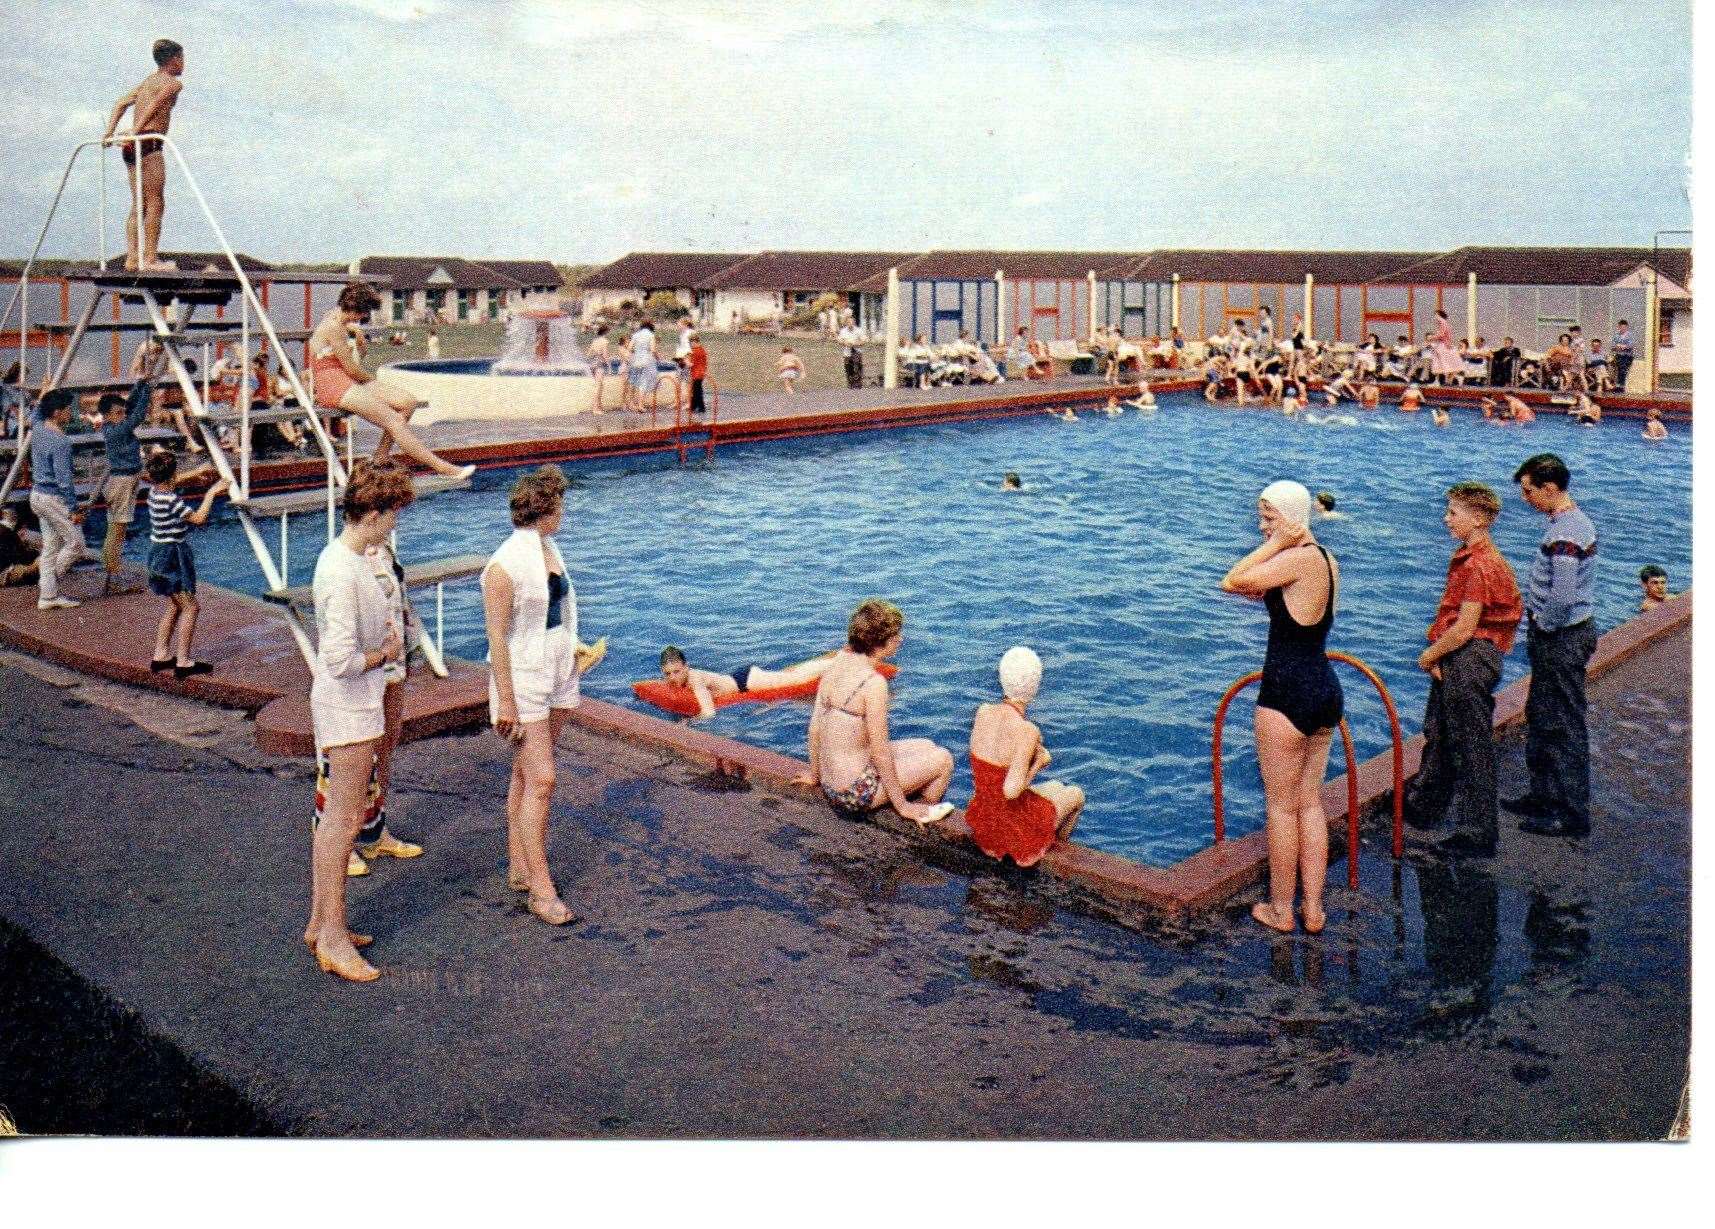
[
  {"x": 397, "y": 305},
  {"x": 464, "y": 305},
  {"x": 1664, "y": 334}
]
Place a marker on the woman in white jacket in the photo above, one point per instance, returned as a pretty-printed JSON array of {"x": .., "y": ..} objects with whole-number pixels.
[
  {"x": 356, "y": 636},
  {"x": 534, "y": 662}
]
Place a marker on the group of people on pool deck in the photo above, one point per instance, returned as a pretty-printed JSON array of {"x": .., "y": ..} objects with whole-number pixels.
[{"x": 859, "y": 768}]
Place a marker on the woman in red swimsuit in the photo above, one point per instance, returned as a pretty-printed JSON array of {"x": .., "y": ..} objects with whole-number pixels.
[
  {"x": 343, "y": 384},
  {"x": 1008, "y": 814}
]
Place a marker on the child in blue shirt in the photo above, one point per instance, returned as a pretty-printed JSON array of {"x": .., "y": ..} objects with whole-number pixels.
[{"x": 172, "y": 566}]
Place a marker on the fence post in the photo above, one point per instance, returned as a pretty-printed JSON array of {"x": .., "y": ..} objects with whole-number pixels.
[{"x": 890, "y": 343}]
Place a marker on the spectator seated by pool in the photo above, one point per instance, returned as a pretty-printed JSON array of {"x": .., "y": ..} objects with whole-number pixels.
[
  {"x": 1008, "y": 815},
  {"x": 916, "y": 358}
]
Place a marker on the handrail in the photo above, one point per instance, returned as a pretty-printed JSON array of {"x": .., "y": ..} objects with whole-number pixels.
[{"x": 1217, "y": 773}]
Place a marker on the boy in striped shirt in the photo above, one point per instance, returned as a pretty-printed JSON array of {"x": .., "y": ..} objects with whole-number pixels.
[{"x": 172, "y": 566}]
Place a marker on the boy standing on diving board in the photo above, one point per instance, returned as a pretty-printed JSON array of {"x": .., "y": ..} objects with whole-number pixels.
[{"x": 151, "y": 106}]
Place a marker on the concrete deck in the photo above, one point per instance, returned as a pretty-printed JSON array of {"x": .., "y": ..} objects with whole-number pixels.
[{"x": 749, "y": 965}]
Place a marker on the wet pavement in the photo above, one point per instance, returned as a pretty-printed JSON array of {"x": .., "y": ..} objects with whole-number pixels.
[{"x": 748, "y": 965}]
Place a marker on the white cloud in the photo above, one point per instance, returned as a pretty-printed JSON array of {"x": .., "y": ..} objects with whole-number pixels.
[
  {"x": 1035, "y": 199},
  {"x": 390, "y": 10}
]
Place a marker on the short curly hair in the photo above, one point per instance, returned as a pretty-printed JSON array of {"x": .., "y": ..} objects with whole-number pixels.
[
  {"x": 873, "y": 624},
  {"x": 358, "y": 297},
  {"x": 537, "y": 494},
  {"x": 377, "y": 486},
  {"x": 1477, "y": 497}
]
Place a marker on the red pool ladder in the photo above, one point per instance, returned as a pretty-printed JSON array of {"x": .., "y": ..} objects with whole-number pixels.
[
  {"x": 682, "y": 416},
  {"x": 1351, "y": 765}
]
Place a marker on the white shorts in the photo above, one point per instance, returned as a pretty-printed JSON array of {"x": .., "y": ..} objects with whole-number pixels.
[
  {"x": 537, "y": 691},
  {"x": 341, "y": 727}
]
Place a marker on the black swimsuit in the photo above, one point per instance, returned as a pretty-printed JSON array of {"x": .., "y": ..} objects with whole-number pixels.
[{"x": 1297, "y": 678}]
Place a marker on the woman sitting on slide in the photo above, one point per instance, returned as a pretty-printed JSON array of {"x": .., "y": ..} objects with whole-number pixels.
[
  {"x": 709, "y": 685},
  {"x": 858, "y": 768},
  {"x": 343, "y": 384}
]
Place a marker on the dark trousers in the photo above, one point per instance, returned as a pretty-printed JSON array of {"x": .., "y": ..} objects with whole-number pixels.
[
  {"x": 1622, "y": 367},
  {"x": 697, "y": 406},
  {"x": 1458, "y": 763},
  {"x": 1459, "y": 743},
  {"x": 1557, "y": 741},
  {"x": 854, "y": 369}
]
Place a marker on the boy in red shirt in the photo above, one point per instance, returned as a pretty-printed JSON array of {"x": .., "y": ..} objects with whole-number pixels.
[
  {"x": 1473, "y": 630},
  {"x": 698, "y": 362}
]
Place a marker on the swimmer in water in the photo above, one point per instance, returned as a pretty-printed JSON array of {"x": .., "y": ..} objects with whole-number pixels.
[
  {"x": 1145, "y": 400},
  {"x": 1438, "y": 416},
  {"x": 1325, "y": 507},
  {"x": 1653, "y": 578},
  {"x": 710, "y": 685},
  {"x": 1370, "y": 396},
  {"x": 1112, "y": 408},
  {"x": 1289, "y": 402},
  {"x": 1011, "y": 482},
  {"x": 1654, "y": 428},
  {"x": 1065, "y": 415},
  {"x": 1411, "y": 400},
  {"x": 1586, "y": 411},
  {"x": 1341, "y": 386}
]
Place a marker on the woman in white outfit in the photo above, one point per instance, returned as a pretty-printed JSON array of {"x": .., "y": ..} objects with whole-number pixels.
[
  {"x": 534, "y": 662},
  {"x": 357, "y": 637}
]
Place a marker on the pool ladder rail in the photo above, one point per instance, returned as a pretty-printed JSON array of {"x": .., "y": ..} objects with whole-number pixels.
[
  {"x": 1351, "y": 765},
  {"x": 682, "y": 421},
  {"x": 170, "y": 298}
]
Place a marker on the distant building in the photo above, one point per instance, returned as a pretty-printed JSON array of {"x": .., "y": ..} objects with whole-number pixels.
[
  {"x": 1533, "y": 294},
  {"x": 771, "y": 285},
  {"x": 420, "y": 289},
  {"x": 634, "y": 277}
]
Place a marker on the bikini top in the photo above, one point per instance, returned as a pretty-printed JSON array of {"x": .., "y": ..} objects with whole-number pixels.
[{"x": 841, "y": 706}]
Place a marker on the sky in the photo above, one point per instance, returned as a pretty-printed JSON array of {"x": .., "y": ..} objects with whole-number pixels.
[{"x": 577, "y": 131}]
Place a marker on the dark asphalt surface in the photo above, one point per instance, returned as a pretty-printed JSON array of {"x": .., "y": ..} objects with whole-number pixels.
[{"x": 748, "y": 965}]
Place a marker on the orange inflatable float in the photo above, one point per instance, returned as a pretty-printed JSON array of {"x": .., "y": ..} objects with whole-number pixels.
[{"x": 682, "y": 701}]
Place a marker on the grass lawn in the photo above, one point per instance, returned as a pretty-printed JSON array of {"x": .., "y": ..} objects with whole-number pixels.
[{"x": 738, "y": 362}]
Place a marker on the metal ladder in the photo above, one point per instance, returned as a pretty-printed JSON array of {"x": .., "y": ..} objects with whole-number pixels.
[{"x": 170, "y": 299}]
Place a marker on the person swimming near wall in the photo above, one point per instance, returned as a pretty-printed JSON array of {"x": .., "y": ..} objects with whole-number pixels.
[
  {"x": 711, "y": 685},
  {"x": 1010, "y": 481}
]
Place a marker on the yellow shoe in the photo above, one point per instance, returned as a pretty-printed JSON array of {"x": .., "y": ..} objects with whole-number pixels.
[
  {"x": 589, "y": 656},
  {"x": 390, "y": 846},
  {"x": 355, "y": 866}
]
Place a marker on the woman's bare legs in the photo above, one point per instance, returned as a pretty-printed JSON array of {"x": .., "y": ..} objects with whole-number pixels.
[
  {"x": 1280, "y": 752},
  {"x": 924, "y": 768},
  {"x": 1313, "y": 829},
  {"x": 327, "y": 933},
  {"x": 1068, "y": 803},
  {"x": 387, "y": 407},
  {"x": 527, "y": 799}
]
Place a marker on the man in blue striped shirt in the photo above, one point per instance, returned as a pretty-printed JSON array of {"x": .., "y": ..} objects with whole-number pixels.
[
  {"x": 1560, "y": 604},
  {"x": 53, "y": 497}
]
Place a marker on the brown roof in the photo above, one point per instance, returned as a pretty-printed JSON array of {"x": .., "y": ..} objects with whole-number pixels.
[
  {"x": 803, "y": 270},
  {"x": 980, "y": 265},
  {"x": 1260, "y": 265},
  {"x": 1539, "y": 266},
  {"x": 526, "y": 272},
  {"x": 215, "y": 262},
  {"x": 660, "y": 270},
  {"x": 420, "y": 273}
]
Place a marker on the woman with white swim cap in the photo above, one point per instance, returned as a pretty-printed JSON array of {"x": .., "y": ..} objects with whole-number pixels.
[
  {"x": 1300, "y": 702},
  {"x": 1009, "y": 815}
]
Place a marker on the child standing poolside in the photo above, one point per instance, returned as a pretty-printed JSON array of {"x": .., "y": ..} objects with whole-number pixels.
[
  {"x": 172, "y": 566},
  {"x": 789, "y": 369},
  {"x": 697, "y": 363}
]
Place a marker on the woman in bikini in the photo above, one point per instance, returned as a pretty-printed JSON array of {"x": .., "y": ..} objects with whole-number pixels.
[
  {"x": 1300, "y": 703},
  {"x": 1008, "y": 814},
  {"x": 852, "y": 760},
  {"x": 343, "y": 384}
]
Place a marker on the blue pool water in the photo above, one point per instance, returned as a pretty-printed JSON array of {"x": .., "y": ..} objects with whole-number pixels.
[{"x": 1107, "y": 564}]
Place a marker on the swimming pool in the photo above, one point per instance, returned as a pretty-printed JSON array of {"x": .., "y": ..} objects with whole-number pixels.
[{"x": 1107, "y": 564}]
